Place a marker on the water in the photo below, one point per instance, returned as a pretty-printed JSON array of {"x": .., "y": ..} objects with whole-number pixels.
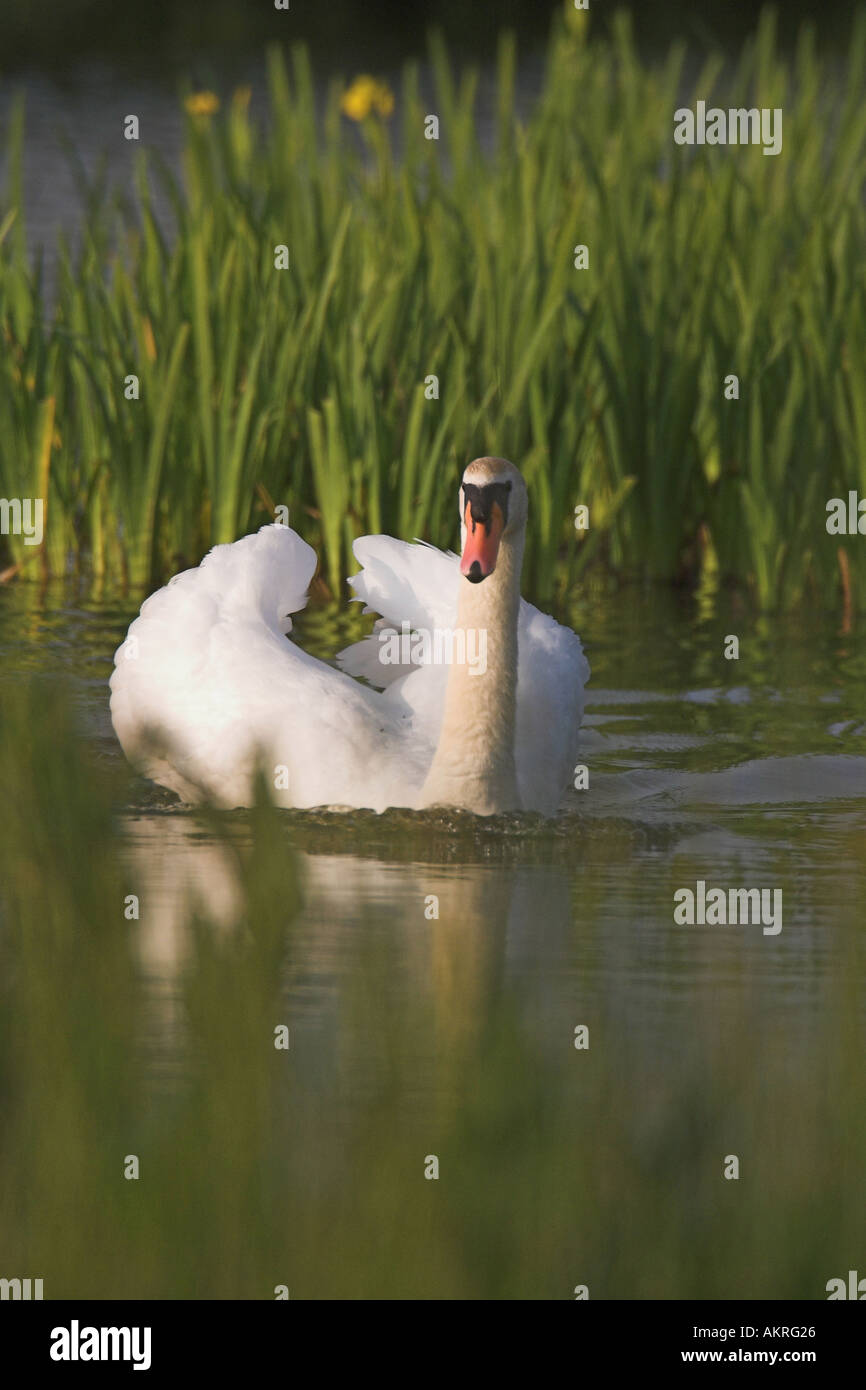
[
  {"x": 744, "y": 773},
  {"x": 415, "y": 1034}
]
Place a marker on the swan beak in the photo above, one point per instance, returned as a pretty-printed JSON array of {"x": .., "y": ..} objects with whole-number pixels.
[{"x": 482, "y": 544}]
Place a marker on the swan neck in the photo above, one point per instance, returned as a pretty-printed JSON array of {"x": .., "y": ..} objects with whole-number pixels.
[{"x": 474, "y": 764}]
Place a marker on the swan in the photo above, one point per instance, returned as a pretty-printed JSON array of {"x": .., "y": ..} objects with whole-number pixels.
[{"x": 463, "y": 695}]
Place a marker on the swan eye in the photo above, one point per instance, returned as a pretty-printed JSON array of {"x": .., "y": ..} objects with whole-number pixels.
[{"x": 481, "y": 498}]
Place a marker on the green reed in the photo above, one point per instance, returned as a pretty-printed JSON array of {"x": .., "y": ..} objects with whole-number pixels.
[{"x": 411, "y": 258}]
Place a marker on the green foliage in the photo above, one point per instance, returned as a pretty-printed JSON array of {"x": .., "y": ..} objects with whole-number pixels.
[{"x": 413, "y": 257}]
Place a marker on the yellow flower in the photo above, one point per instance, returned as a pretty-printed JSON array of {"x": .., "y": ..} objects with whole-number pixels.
[
  {"x": 367, "y": 94},
  {"x": 202, "y": 104}
]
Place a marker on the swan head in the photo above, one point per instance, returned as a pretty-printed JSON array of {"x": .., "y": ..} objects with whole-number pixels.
[{"x": 493, "y": 506}]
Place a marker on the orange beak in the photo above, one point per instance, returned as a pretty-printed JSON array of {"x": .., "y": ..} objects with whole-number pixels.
[{"x": 482, "y": 544}]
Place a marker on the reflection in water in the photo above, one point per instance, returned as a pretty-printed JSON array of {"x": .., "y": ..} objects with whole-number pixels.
[
  {"x": 454, "y": 933},
  {"x": 563, "y": 931}
]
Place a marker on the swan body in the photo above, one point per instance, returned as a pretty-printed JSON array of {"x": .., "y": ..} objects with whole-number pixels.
[{"x": 207, "y": 689}]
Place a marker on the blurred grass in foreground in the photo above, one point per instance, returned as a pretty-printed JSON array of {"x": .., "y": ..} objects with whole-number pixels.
[
  {"x": 412, "y": 257},
  {"x": 261, "y": 1167}
]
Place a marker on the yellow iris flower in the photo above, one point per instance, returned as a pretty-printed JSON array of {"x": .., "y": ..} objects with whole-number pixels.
[
  {"x": 367, "y": 94},
  {"x": 202, "y": 104}
]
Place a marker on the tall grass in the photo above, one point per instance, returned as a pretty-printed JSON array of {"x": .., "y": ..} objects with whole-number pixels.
[{"x": 412, "y": 257}]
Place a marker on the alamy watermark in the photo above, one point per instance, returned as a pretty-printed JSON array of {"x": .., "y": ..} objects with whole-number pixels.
[
  {"x": 77, "y": 1343},
  {"x": 20, "y": 1289},
  {"x": 22, "y": 517},
  {"x": 846, "y": 516},
  {"x": 855, "y": 1288},
  {"x": 733, "y": 907},
  {"x": 440, "y": 646},
  {"x": 737, "y": 126}
]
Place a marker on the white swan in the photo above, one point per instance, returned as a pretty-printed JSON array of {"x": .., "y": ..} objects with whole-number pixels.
[{"x": 206, "y": 688}]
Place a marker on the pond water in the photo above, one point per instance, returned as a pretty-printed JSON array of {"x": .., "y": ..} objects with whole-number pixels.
[{"x": 741, "y": 773}]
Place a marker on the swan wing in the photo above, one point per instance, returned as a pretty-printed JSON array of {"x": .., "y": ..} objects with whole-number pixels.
[
  {"x": 206, "y": 688},
  {"x": 415, "y": 584},
  {"x": 552, "y": 672}
]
